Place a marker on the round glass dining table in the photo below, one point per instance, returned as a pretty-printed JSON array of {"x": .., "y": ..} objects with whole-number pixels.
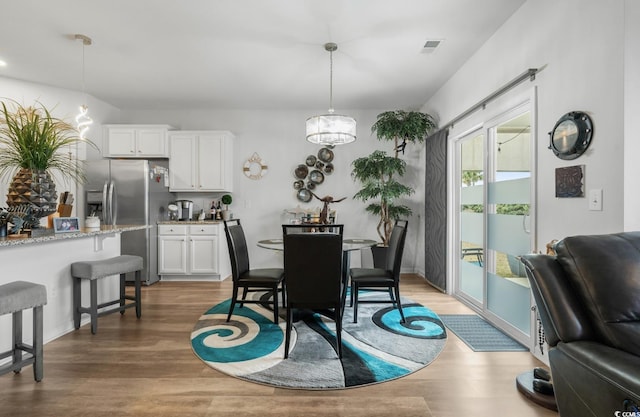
[{"x": 348, "y": 245}]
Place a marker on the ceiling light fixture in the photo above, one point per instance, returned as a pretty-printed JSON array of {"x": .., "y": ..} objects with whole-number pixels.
[
  {"x": 83, "y": 121},
  {"x": 331, "y": 129}
]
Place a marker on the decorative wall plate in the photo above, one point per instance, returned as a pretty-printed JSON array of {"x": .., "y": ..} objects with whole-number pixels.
[
  {"x": 311, "y": 160},
  {"x": 301, "y": 171},
  {"x": 325, "y": 155},
  {"x": 304, "y": 195},
  {"x": 316, "y": 177}
]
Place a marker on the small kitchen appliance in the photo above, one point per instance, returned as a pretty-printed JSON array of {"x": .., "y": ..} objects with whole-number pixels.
[{"x": 185, "y": 209}]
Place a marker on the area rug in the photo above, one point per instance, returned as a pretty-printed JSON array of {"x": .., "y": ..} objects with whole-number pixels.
[
  {"x": 479, "y": 334},
  {"x": 376, "y": 349}
]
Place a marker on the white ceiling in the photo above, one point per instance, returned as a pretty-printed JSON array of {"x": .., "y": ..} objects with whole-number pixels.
[{"x": 249, "y": 54}]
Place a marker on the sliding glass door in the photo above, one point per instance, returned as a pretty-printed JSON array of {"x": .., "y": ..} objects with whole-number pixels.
[{"x": 494, "y": 220}]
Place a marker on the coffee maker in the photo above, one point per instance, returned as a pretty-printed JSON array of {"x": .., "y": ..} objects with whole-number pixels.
[{"x": 185, "y": 209}]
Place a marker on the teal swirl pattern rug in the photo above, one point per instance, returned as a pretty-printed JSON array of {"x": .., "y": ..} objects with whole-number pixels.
[{"x": 376, "y": 349}]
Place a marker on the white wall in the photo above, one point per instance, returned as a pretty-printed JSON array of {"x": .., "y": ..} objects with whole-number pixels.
[
  {"x": 278, "y": 138},
  {"x": 631, "y": 111},
  {"x": 579, "y": 45}
]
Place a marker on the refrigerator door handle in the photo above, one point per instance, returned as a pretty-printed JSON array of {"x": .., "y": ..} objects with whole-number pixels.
[
  {"x": 105, "y": 204},
  {"x": 113, "y": 206}
]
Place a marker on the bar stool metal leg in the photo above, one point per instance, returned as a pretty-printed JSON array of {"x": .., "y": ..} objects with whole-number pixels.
[
  {"x": 122, "y": 291},
  {"x": 77, "y": 287},
  {"x": 38, "y": 364},
  {"x": 138, "y": 284},
  {"x": 17, "y": 340},
  {"x": 93, "y": 285}
]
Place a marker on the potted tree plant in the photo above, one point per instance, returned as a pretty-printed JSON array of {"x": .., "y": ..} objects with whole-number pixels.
[
  {"x": 226, "y": 200},
  {"x": 403, "y": 127},
  {"x": 377, "y": 174},
  {"x": 33, "y": 146},
  {"x": 380, "y": 173}
]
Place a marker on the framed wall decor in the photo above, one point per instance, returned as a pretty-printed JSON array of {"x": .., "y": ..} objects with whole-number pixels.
[
  {"x": 66, "y": 224},
  {"x": 570, "y": 181},
  {"x": 571, "y": 135}
]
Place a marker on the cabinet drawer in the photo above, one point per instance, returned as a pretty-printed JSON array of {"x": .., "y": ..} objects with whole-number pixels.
[
  {"x": 203, "y": 229},
  {"x": 172, "y": 229}
]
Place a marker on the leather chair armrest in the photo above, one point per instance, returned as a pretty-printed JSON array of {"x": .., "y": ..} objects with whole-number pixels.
[{"x": 590, "y": 378}]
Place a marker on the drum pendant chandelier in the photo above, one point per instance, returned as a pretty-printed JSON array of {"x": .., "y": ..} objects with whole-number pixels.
[{"x": 331, "y": 129}]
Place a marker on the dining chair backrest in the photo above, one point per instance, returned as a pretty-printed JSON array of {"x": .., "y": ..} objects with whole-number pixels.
[
  {"x": 396, "y": 247},
  {"x": 237, "y": 244},
  {"x": 313, "y": 266}
]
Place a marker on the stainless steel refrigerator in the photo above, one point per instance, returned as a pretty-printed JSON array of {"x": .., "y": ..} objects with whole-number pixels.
[{"x": 130, "y": 192}]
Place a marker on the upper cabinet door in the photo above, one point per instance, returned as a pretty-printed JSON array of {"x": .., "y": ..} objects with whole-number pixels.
[
  {"x": 210, "y": 165},
  {"x": 151, "y": 142},
  {"x": 135, "y": 141},
  {"x": 182, "y": 171},
  {"x": 120, "y": 141}
]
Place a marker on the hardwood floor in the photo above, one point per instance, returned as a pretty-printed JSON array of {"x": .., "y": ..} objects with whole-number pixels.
[{"x": 146, "y": 368}]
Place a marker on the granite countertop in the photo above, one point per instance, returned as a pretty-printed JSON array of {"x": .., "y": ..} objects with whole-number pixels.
[
  {"x": 104, "y": 230},
  {"x": 190, "y": 222}
]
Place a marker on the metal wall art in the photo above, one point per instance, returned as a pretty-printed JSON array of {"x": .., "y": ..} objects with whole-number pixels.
[
  {"x": 312, "y": 173},
  {"x": 569, "y": 181}
]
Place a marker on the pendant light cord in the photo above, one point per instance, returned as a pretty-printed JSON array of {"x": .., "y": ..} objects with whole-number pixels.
[
  {"x": 330, "y": 47},
  {"x": 330, "y": 81}
]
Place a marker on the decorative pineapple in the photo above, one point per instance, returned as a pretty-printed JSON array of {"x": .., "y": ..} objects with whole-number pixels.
[{"x": 33, "y": 143}]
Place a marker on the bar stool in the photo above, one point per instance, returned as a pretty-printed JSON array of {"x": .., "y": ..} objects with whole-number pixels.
[
  {"x": 15, "y": 297},
  {"x": 94, "y": 270}
]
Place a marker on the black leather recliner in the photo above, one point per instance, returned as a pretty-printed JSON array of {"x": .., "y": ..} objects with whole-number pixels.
[{"x": 588, "y": 299}]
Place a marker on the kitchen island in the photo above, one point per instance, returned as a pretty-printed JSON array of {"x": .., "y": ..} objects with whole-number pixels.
[{"x": 47, "y": 260}]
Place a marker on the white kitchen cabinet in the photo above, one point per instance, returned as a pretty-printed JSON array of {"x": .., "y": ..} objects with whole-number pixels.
[
  {"x": 201, "y": 161},
  {"x": 136, "y": 141},
  {"x": 172, "y": 249},
  {"x": 192, "y": 252}
]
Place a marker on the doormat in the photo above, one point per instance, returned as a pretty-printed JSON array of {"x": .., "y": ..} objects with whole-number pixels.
[
  {"x": 376, "y": 349},
  {"x": 479, "y": 334}
]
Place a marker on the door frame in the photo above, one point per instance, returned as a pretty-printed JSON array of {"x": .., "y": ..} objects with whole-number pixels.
[{"x": 491, "y": 115}]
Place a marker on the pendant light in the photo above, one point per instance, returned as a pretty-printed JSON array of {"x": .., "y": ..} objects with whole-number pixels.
[
  {"x": 331, "y": 129},
  {"x": 83, "y": 121}
]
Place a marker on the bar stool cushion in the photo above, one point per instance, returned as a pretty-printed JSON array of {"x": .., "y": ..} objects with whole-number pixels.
[
  {"x": 21, "y": 295},
  {"x": 105, "y": 267}
]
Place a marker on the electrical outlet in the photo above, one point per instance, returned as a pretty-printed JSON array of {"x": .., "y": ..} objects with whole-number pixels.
[
  {"x": 595, "y": 199},
  {"x": 53, "y": 291}
]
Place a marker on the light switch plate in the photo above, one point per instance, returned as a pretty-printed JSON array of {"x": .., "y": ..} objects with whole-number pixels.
[{"x": 595, "y": 199}]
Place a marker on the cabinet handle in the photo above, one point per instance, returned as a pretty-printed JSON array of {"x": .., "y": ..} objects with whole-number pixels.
[
  {"x": 131, "y": 151},
  {"x": 139, "y": 151}
]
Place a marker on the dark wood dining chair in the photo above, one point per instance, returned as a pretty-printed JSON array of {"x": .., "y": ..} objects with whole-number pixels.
[
  {"x": 313, "y": 269},
  {"x": 250, "y": 280},
  {"x": 387, "y": 278}
]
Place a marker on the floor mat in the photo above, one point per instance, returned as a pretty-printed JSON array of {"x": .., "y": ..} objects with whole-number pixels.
[{"x": 480, "y": 335}]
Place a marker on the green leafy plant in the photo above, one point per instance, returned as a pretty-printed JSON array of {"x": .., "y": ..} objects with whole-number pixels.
[
  {"x": 226, "y": 200},
  {"x": 31, "y": 138},
  {"x": 377, "y": 174},
  {"x": 403, "y": 127}
]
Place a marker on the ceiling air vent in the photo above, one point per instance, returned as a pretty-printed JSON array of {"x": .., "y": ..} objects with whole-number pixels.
[{"x": 430, "y": 45}]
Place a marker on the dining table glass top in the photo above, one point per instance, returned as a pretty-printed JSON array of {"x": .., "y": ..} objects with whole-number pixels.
[{"x": 348, "y": 244}]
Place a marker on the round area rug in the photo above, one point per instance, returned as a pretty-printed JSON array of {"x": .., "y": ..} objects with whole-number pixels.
[{"x": 376, "y": 349}]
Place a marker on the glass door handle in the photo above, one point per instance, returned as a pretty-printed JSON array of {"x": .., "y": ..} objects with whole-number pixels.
[{"x": 524, "y": 224}]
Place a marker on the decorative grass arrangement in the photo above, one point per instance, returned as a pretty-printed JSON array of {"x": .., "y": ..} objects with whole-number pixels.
[{"x": 31, "y": 138}]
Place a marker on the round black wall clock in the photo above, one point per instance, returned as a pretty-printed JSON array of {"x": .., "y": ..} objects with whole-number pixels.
[{"x": 571, "y": 135}]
